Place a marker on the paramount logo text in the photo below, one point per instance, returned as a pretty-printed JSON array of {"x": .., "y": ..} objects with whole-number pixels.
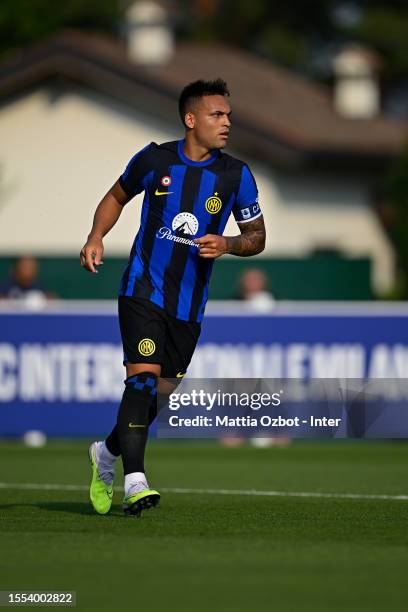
[{"x": 165, "y": 232}]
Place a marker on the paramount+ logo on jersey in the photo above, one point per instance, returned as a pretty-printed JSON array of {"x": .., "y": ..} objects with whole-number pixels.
[{"x": 184, "y": 224}]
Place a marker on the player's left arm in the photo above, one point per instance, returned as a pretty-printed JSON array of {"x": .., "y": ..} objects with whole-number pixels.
[
  {"x": 250, "y": 242},
  {"x": 250, "y": 221}
]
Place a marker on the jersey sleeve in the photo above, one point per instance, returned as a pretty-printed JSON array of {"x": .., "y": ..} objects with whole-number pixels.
[
  {"x": 246, "y": 207},
  {"x": 132, "y": 180}
]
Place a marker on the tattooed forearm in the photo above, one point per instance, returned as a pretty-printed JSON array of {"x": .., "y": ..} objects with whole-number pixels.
[{"x": 250, "y": 242}]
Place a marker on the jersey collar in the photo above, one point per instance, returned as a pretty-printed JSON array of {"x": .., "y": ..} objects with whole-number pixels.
[{"x": 190, "y": 162}]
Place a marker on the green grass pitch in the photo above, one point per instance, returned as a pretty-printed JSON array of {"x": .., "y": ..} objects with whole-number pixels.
[{"x": 221, "y": 551}]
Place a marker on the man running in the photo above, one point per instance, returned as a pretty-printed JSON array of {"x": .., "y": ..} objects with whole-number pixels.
[{"x": 190, "y": 189}]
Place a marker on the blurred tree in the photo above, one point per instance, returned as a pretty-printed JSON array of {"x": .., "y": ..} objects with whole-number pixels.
[
  {"x": 292, "y": 32},
  {"x": 287, "y": 31},
  {"x": 385, "y": 27},
  {"x": 398, "y": 226},
  {"x": 279, "y": 30},
  {"x": 24, "y": 21}
]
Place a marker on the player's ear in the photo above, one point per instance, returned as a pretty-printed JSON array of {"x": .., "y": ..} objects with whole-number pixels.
[{"x": 189, "y": 120}]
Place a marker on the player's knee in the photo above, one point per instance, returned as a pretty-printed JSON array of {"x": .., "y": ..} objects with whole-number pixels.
[
  {"x": 142, "y": 382},
  {"x": 166, "y": 387},
  {"x": 137, "y": 368},
  {"x": 140, "y": 393}
]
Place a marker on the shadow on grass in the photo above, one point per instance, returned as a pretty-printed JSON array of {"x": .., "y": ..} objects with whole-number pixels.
[
  {"x": 69, "y": 507},
  {"x": 83, "y": 508}
]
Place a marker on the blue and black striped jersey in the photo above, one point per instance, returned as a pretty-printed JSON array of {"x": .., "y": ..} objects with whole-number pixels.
[{"x": 183, "y": 200}]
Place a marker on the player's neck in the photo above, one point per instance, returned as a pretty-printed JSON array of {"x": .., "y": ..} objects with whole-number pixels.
[{"x": 194, "y": 150}]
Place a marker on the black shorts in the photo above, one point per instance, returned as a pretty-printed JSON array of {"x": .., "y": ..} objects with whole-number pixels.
[{"x": 150, "y": 335}]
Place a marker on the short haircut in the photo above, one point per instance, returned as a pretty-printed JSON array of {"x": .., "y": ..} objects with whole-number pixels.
[{"x": 197, "y": 90}]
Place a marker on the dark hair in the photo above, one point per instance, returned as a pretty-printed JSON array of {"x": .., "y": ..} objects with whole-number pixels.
[{"x": 197, "y": 90}]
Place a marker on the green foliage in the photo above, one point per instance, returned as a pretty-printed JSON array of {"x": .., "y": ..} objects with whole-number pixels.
[
  {"x": 386, "y": 29},
  {"x": 289, "y": 31},
  {"x": 282, "y": 45},
  {"x": 279, "y": 30},
  {"x": 398, "y": 194},
  {"x": 23, "y": 22},
  {"x": 284, "y": 31}
]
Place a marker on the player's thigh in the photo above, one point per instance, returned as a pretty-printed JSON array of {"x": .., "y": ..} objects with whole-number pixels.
[
  {"x": 181, "y": 341},
  {"x": 143, "y": 331}
]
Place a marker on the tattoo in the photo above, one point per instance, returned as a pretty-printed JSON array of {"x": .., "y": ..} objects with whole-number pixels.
[{"x": 250, "y": 242}]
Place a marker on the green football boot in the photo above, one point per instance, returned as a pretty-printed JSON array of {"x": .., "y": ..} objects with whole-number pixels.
[
  {"x": 100, "y": 492},
  {"x": 142, "y": 500}
]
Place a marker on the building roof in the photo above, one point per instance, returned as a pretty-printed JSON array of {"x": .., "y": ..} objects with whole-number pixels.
[{"x": 277, "y": 114}]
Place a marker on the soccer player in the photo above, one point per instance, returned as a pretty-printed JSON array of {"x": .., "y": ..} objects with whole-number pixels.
[{"x": 190, "y": 189}]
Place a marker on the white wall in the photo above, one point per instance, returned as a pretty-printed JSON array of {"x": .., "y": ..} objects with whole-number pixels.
[
  {"x": 57, "y": 159},
  {"x": 60, "y": 153},
  {"x": 308, "y": 212}
]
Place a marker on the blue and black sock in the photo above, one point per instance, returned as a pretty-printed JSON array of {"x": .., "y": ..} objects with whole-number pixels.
[{"x": 133, "y": 420}]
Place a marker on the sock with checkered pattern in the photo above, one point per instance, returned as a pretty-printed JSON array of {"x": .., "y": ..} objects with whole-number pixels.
[{"x": 133, "y": 420}]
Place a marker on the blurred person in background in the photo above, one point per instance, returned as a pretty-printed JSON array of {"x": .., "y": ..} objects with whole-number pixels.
[
  {"x": 253, "y": 288},
  {"x": 23, "y": 284}
]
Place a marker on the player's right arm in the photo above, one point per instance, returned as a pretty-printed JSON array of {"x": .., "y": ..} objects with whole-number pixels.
[
  {"x": 110, "y": 207},
  {"x": 106, "y": 215}
]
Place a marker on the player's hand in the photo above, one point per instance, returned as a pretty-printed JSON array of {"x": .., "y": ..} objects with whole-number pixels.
[
  {"x": 91, "y": 254},
  {"x": 212, "y": 246}
]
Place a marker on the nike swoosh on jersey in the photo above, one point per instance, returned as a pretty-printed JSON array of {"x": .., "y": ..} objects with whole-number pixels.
[
  {"x": 159, "y": 193},
  {"x": 135, "y": 425},
  {"x": 180, "y": 375}
]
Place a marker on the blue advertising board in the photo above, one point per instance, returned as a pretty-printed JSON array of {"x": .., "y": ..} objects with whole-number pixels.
[{"x": 61, "y": 370}]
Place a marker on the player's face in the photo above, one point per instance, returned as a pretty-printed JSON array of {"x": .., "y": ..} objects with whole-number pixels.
[{"x": 211, "y": 122}]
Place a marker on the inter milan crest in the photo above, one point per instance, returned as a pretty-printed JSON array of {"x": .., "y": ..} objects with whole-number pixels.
[
  {"x": 146, "y": 347},
  {"x": 213, "y": 204},
  {"x": 165, "y": 181}
]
